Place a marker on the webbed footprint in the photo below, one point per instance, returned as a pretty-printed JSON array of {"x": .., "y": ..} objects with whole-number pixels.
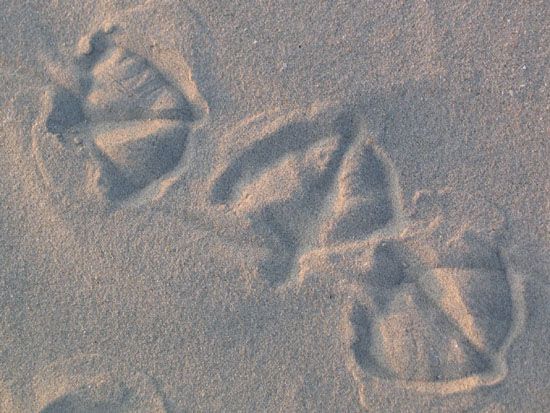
[
  {"x": 308, "y": 179},
  {"x": 439, "y": 326},
  {"x": 279, "y": 176},
  {"x": 118, "y": 132}
]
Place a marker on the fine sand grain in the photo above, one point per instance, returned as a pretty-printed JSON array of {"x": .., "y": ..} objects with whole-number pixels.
[{"x": 274, "y": 206}]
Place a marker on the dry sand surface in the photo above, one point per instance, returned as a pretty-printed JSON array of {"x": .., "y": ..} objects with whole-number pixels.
[{"x": 279, "y": 206}]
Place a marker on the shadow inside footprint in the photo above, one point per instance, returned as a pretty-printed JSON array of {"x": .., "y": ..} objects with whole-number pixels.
[
  {"x": 86, "y": 384},
  {"x": 65, "y": 113},
  {"x": 388, "y": 270},
  {"x": 79, "y": 404},
  {"x": 387, "y": 273},
  {"x": 363, "y": 204},
  {"x": 361, "y": 321}
]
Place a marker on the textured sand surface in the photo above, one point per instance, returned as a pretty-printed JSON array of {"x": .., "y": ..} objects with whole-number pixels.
[{"x": 274, "y": 206}]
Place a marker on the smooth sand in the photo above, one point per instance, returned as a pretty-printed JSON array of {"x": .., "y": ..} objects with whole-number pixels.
[{"x": 274, "y": 206}]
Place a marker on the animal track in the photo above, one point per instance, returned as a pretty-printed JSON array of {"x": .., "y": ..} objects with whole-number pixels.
[
  {"x": 329, "y": 200},
  {"x": 81, "y": 384},
  {"x": 122, "y": 127},
  {"x": 85, "y": 383},
  {"x": 425, "y": 324},
  {"x": 283, "y": 177},
  {"x": 326, "y": 199}
]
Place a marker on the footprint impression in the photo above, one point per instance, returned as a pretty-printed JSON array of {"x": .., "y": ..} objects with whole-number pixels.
[
  {"x": 329, "y": 201},
  {"x": 429, "y": 321},
  {"x": 118, "y": 131},
  {"x": 86, "y": 384},
  {"x": 306, "y": 180},
  {"x": 318, "y": 189}
]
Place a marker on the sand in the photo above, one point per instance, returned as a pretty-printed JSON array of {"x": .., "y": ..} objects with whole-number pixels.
[{"x": 274, "y": 206}]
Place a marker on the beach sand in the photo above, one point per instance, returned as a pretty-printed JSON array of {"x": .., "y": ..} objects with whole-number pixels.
[{"x": 274, "y": 206}]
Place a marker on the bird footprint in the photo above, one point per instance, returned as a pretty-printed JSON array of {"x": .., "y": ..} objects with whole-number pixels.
[
  {"x": 315, "y": 183},
  {"x": 118, "y": 131}
]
